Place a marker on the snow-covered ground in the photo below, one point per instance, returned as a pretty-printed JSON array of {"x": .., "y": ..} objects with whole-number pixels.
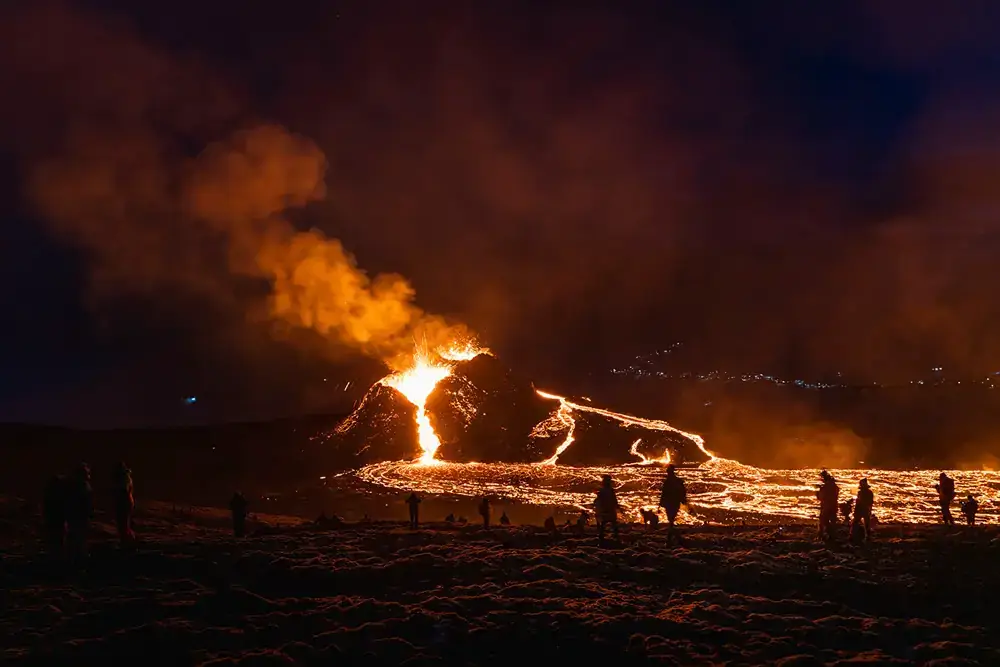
[{"x": 384, "y": 594}]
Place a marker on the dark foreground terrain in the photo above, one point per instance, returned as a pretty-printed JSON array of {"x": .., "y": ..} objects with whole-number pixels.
[{"x": 383, "y": 594}]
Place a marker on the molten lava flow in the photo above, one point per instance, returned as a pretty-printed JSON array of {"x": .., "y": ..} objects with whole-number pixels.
[
  {"x": 417, "y": 383},
  {"x": 634, "y": 451},
  {"x": 720, "y": 491},
  {"x": 564, "y": 417},
  {"x": 464, "y": 351}
]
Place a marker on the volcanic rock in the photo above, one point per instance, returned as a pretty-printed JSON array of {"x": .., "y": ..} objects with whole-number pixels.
[
  {"x": 602, "y": 440},
  {"x": 483, "y": 412},
  {"x": 381, "y": 428}
]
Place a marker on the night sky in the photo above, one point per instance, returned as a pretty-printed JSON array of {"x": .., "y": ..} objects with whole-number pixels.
[{"x": 802, "y": 188}]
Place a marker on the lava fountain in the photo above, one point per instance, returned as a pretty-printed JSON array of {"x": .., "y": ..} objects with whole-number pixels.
[{"x": 417, "y": 382}]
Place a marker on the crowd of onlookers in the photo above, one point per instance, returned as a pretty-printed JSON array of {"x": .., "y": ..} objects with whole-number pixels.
[{"x": 68, "y": 508}]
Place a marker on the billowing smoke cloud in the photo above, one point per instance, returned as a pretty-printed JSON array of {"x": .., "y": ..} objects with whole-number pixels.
[
  {"x": 122, "y": 184},
  {"x": 243, "y": 187}
]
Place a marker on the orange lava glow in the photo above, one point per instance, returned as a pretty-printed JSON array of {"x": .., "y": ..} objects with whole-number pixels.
[
  {"x": 720, "y": 490},
  {"x": 417, "y": 382},
  {"x": 563, "y": 419},
  {"x": 663, "y": 459}
]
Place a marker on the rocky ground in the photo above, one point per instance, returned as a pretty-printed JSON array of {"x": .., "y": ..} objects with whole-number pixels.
[{"x": 384, "y": 594}]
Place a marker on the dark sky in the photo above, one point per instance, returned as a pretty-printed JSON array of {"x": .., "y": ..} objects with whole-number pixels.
[{"x": 796, "y": 187}]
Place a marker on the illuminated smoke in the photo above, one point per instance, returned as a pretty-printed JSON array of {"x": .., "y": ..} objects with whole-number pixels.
[
  {"x": 243, "y": 186},
  {"x": 111, "y": 163}
]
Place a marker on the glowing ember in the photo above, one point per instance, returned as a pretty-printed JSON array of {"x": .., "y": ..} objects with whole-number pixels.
[
  {"x": 417, "y": 383},
  {"x": 464, "y": 351}
]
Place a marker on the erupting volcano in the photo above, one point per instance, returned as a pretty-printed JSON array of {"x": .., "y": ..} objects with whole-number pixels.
[
  {"x": 460, "y": 404},
  {"x": 457, "y": 423}
]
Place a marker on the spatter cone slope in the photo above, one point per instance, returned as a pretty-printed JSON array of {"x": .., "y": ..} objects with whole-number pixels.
[
  {"x": 483, "y": 412},
  {"x": 381, "y": 428},
  {"x": 601, "y": 440}
]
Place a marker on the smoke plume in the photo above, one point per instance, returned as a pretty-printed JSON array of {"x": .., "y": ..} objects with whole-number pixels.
[{"x": 120, "y": 183}]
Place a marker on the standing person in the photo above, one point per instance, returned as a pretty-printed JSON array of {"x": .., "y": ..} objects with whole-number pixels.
[
  {"x": 239, "y": 507},
  {"x": 54, "y": 515},
  {"x": 672, "y": 496},
  {"x": 946, "y": 494},
  {"x": 829, "y": 496},
  {"x": 79, "y": 511},
  {"x": 414, "y": 502},
  {"x": 606, "y": 508},
  {"x": 124, "y": 501},
  {"x": 485, "y": 511},
  {"x": 863, "y": 511},
  {"x": 969, "y": 508}
]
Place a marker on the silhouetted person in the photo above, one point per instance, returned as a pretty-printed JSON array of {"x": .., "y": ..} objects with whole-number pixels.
[
  {"x": 828, "y": 495},
  {"x": 606, "y": 508},
  {"x": 240, "y": 509},
  {"x": 863, "y": 512},
  {"x": 946, "y": 494},
  {"x": 414, "y": 502},
  {"x": 504, "y": 519},
  {"x": 485, "y": 510},
  {"x": 550, "y": 524},
  {"x": 846, "y": 508},
  {"x": 79, "y": 511},
  {"x": 124, "y": 501},
  {"x": 672, "y": 496},
  {"x": 450, "y": 518},
  {"x": 969, "y": 508},
  {"x": 54, "y": 515}
]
